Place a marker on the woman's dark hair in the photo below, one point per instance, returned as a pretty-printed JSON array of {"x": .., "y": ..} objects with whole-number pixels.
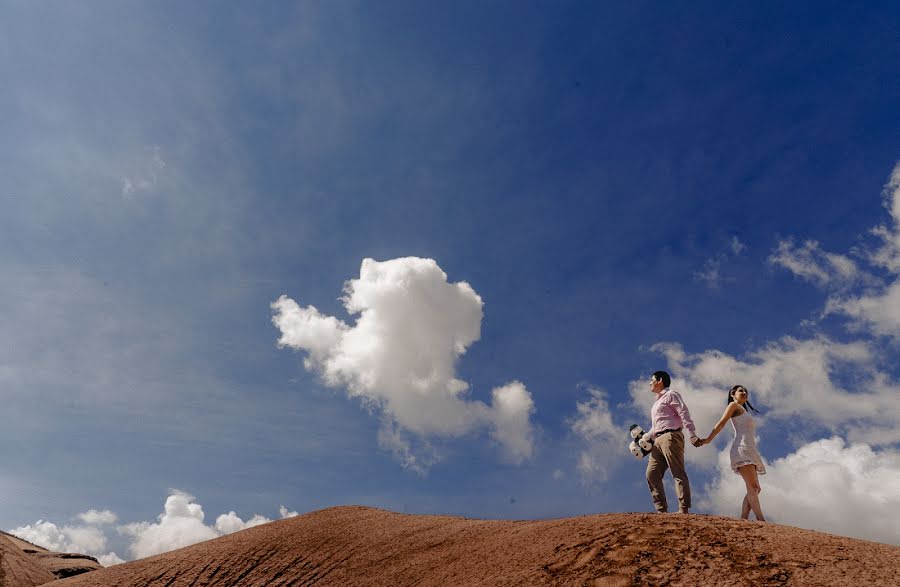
[{"x": 746, "y": 403}]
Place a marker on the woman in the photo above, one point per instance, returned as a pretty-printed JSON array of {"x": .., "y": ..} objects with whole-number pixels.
[{"x": 745, "y": 459}]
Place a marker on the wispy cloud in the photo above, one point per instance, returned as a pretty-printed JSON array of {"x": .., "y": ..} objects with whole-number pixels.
[
  {"x": 810, "y": 263},
  {"x": 712, "y": 273},
  {"x": 602, "y": 442},
  {"x": 870, "y": 302}
]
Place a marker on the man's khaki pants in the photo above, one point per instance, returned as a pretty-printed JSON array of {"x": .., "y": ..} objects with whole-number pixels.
[{"x": 668, "y": 453}]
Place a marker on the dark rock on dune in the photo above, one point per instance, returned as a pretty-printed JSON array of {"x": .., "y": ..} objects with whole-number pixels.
[
  {"x": 17, "y": 569},
  {"x": 364, "y": 546},
  {"x": 59, "y": 564}
]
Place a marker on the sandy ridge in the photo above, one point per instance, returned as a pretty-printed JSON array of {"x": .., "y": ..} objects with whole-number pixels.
[{"x": 365, "y": 546}]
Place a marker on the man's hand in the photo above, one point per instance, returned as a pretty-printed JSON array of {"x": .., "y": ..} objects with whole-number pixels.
[{"x": 695, "y": 440}]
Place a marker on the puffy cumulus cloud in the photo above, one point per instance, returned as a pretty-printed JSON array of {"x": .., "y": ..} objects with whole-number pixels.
[
  {"x": 603, "y": 443},
  {"x": 231, "y": 522},
  {"x": 793, "y": 378},
  {"x": 45, "y": 534},
  {"x": 809, "y": 262},
  {"x": 826, "y": 485},
  {"x": 81, "y": 539},
  {"x": 400, "y": 358},
  {"x": 180, "y": 524},
  {"x": 510, "y": 412}
]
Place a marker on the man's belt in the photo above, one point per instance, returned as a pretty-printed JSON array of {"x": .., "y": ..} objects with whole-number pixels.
[{"x": 666, "y": 431}]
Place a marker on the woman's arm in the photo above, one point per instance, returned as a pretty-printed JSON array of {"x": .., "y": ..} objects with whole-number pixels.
[{"x": 726, "y": 415}]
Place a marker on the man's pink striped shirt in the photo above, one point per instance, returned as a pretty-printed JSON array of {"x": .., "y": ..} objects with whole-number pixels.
[{"x": 669, "y": 412}]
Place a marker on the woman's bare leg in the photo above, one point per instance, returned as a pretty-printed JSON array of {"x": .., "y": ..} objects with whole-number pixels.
[
  {"x": 751, "y": 480},
  {"x": 745, "y": 509}
]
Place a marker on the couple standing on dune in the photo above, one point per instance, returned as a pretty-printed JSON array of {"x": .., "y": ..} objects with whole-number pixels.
[{"x": 670, "y": 416}]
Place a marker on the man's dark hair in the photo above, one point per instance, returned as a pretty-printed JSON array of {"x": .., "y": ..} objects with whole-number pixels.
[{"x": 664, "y": 377}]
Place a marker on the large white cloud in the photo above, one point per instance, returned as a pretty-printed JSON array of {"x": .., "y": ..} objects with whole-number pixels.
[
  {"x": 826, "y": 485},
  {"x": 400, "y": 358},
  {"x": 180, "y": 524}
]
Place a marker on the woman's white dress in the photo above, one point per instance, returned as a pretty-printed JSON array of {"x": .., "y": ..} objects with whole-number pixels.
[{"x": 743, "y": 449}]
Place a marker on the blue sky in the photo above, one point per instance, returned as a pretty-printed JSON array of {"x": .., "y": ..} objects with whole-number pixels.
[{"x": 624, "y": 189}]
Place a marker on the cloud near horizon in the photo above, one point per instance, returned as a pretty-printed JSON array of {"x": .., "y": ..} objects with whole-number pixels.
[
  {"x": 827, "y": 485},
  {"x": 400, "y": 358},
  {"x": 180, "y": 524}
]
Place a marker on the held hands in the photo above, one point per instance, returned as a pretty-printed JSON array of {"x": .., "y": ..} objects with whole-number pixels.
[{"x": 697, "y": 442}]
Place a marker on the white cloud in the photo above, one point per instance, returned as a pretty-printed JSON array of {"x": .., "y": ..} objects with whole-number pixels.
[
  {"x": 400, "y": 357},
  {"x": 96, "y": 518},
  {"x": 511, "y": 411},
  {"x": 78, "y": 539},
  {"x": 878, "y": 313},
  {"x": 181, "y": 524},
  {"x": 793, "y": 378},
  {"x": 811, "y": 263},
  {"x": 46, "y": 534},
  {"x": 603, "y": 443},
  {"x": 826, "y": 485},
  {"x": 231, "y": 522},
  {"x": 110, "y": 559},
  {"x": 286, "y": 513}
]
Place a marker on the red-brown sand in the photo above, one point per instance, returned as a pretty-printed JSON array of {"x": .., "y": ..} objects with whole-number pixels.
[
  {"x": 17, "y": 569},
  {"x": 363, "y": 546}
]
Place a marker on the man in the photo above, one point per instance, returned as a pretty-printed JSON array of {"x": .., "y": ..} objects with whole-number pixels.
[{"x": 670, "y": 416}]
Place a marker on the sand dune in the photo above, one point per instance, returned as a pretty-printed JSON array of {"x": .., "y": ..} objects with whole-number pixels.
[
  {"x": 17, "y": 569},
  {"x": 24, "y": 564},
  {"x": 363, "y": 546}
]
